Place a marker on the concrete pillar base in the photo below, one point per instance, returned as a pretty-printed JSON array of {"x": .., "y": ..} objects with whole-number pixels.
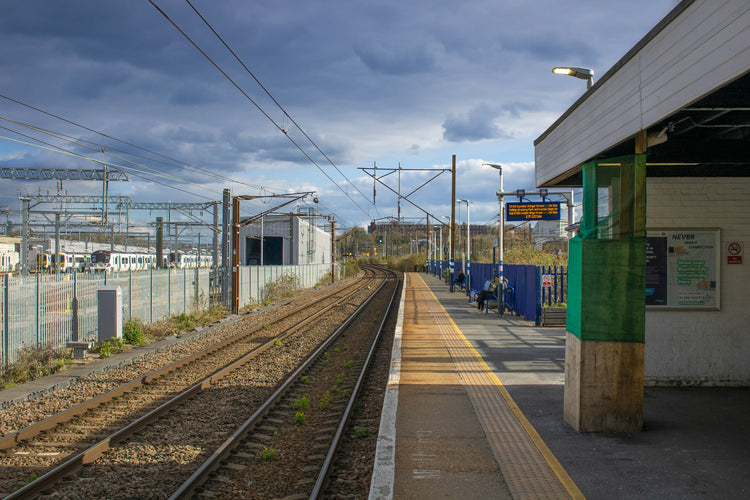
[{"x": 603, "y": 385}]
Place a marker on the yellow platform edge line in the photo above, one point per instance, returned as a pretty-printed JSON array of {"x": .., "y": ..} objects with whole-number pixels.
[{"x": 562, "y": 475}]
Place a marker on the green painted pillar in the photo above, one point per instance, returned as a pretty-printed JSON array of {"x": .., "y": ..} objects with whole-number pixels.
[{"x": 606, "y": 300}]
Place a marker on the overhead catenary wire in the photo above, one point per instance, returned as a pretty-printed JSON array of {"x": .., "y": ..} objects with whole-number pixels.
[
  {"x": 58, "y": 149},
  {"x": 268, "y": 93},
  {"x": 95, "y": 147},
  {"x": 133, "y": 171},
  {"x": 262, "y": 111},
  {"x": 176, "y": 162}
]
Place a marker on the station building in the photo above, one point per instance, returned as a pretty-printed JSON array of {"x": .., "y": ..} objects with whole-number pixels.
[
  {"x": 661, "y": 146},
  {"x": 277, "y": 240}
]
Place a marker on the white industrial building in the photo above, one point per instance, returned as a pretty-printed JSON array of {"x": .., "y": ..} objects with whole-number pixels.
[{"x": 284, "y": 240}]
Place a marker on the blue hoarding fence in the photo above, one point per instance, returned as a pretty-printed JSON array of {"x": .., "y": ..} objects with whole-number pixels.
[{"x": 528, "y": 296}]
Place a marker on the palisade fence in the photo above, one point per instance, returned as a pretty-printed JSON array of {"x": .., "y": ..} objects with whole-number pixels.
[
  {"x": 533, "y": 286},
  {"x": 255, "y": 279},
  {"x": 45, "y": 309}
]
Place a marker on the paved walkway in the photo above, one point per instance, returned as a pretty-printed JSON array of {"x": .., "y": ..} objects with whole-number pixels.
[{"x": 695, "y": 443}]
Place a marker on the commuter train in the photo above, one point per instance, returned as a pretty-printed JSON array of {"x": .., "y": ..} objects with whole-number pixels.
[
  {"x": 68, "y": 262},
  {"x": 107, "y": 261},
  {"x": 102, "y": 260},
  {"x": 182, "y": 260}
]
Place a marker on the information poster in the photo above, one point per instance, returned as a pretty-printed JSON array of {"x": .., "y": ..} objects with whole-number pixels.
[{"x": 682, "y": 269}]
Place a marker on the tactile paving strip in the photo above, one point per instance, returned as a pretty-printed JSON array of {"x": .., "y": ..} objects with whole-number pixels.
[{"x": 515, "y": 444}]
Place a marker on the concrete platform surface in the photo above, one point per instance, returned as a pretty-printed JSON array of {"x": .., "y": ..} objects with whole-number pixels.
[{"x": 695, "y": 442}]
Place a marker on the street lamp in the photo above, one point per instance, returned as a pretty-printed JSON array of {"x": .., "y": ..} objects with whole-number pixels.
[
  {"x": 450, "y": 249},
  {"x": 468, "y": 245},
  {"x": 502, "y": 218},
  {"x": 582, "y": 73}
]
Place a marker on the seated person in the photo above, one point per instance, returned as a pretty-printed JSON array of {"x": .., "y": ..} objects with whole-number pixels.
[
  {"x": 460, "y": 279},
  {"x": 489, "y": 293}
]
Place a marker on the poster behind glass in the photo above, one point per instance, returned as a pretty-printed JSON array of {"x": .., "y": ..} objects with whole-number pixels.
[{"x": 682, "y": 269}]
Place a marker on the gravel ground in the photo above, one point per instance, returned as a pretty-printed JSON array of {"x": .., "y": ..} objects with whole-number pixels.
[
  {"x": 159, "y": 458},
  {"x": 24, "y": 414}
]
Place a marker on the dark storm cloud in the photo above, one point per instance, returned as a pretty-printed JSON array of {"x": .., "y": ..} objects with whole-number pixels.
[
  {"x": 386, "y": 81},
  {"x": 192, "y": 94},
  {"x": 476, "y": 125},
  {"x": 552, "y": 48},
  {"x": 396, "y": 60},
  {"x": 93, "y": 83}
]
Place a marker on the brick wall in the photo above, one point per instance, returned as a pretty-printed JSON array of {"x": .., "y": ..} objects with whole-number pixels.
[{"x": 703, "y": 347}]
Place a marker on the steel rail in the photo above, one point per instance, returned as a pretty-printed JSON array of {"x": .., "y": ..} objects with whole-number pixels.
[
  {"x": 325, "y": 469},
  {"x": 12, "y": 439},
  {"x": 89, "y": 455},
  {"x": 225, "y": 449}
]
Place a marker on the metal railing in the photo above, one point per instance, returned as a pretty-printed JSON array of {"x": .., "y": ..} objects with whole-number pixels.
[{"x": 554, "y": 285}]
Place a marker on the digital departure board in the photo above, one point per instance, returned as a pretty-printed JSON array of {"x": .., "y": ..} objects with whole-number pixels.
[{"x": 532, "y": 211}]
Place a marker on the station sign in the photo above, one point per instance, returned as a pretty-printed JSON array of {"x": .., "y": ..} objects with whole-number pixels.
[
  {"x": 532, "y": 211},
  {"x": 734, "y": 252}
]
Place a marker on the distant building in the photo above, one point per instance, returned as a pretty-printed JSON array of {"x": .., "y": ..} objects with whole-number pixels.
[
  {"x": 548, "y": 231},
  {"x": 284, "y": 240}
]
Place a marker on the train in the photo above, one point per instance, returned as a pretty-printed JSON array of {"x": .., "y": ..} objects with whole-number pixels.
[
  {"x": 183, "y": 260},
  {"x": 102, "y": 261},
  {"x": 68, "y": 262},
  {"x": 108, "y": 261}
]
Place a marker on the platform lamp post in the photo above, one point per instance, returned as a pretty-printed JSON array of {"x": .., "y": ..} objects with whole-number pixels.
[
  {"x": 468, "y": 246},
  {"x": 582, "y": 73},
  {"x": 450, "y": 249},
  {"x": 502, "y": 219}
]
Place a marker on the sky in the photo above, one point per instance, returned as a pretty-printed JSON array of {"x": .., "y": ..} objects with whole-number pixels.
[{"x": 298, "y": 96}]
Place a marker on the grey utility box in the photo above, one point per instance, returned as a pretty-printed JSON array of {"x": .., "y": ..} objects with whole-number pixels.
[{"x": 110, "y": 312}]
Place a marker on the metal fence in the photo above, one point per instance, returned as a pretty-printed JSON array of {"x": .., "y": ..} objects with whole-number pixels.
[
  {"x": 554, "y": 285},
  {"x": 43, "y": 309},
  {"x": 254, "y": 280}
]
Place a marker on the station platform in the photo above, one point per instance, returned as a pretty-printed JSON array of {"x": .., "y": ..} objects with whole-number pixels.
[{"x": 474, "y": 409}]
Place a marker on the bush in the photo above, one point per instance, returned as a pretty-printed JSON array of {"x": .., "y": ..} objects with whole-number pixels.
[
  {"x": 133, "y": 332},
  {"x": 362, "y": 432},
  {"x": 34, "y": 363},
  {"x": 184, "y": 322},
  {"x": 301, "y": 403},
  {"x": 351, "y": 268},
  {"x": 104, "y": 349},
  {"x": 299, "y": 418},
  {"x": 268, "y": 454},
  {"x": 283, "y": 287}
]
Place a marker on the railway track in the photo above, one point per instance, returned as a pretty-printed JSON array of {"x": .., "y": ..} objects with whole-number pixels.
[{"x": 99, "y": 445}]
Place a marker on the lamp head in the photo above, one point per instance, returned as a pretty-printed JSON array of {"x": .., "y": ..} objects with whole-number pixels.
[
  {"x": 582, "y": 73},
  {"x": 494, "y": 165}
]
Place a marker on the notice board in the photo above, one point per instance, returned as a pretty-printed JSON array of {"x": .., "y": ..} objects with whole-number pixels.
[{"x": 683, "y": 269}]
